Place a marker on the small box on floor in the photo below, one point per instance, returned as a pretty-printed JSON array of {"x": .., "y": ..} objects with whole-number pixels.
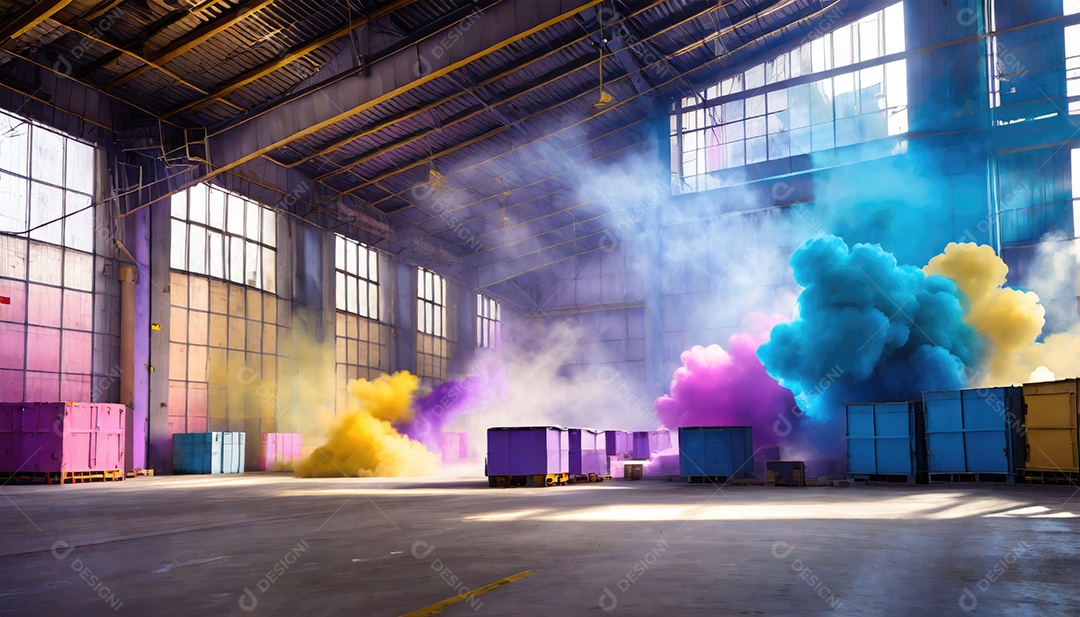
[
  {"x": 279, "y": 451},
  {"x": 785, "y": 473},
  {"x": 217, "y": 452}
]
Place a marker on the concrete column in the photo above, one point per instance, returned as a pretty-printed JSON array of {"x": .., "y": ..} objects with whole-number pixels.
[
  {"x": 152, "y": 310},
  {"x": 402, "y": 293}
]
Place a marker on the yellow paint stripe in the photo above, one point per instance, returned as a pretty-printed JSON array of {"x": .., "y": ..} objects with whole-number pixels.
[{"x": 437, "y": 608}]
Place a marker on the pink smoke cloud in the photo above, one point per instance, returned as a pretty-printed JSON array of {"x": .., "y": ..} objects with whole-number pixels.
[{"x": 728, "y": 387}]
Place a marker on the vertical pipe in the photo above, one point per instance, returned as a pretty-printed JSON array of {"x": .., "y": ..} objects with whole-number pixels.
[{"x": 127, "y": 361}]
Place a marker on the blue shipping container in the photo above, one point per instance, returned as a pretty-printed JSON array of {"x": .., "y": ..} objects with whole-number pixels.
[
  {"x": 716, "y": 451},
  {"x": 975, "y": 431},
  {"x": 208, "y": 453},
  {"x": 886, "y": 439}
]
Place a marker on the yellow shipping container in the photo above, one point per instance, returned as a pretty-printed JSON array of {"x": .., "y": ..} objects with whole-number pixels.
[{"x": 1051, "y": 426}]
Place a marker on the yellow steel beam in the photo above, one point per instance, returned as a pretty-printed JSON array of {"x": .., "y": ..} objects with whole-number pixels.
[
  {"x": 27, "y": 20},
  {"x": 433, "y": 75},
  {"x": 426, "y": 108},
  {"x": 289, "y": 56},
  {"x": 194, "y": 38}
]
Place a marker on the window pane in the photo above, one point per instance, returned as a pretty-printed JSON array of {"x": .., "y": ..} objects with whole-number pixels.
[
  {"x": 362, "y": 300},
  {"x": 842, "y": 46},
  {"x": 799, "y": 105},
  {"x": 197, "y": 203},
  {"x": 46, "y": 204},
  {"x": 755, "y": 106},
  {"x": 896, "y": 84},
  {"x": 254, "y": 216},
  {"x": 236, "y": 259},
  {"x": 79, "y": 226},
  {"x": 80, "y": 166},
  {"x": 339, "y": 252},
  {"x": 216, "y": 210},
  {"x": 733, "y": 110},
  {"x": 47, "y": 157},
  {"x": 846, "y": 101},
  {"x": 235, "y": 223},
  {"x": 894, "y": 28},
  {"x": 197, "y": 252},
  {"x": 755, "y": 77},
  {"x": 14, "y": 143},
  {"x": 13, "y": 195},
  {"x": 178, "y": 248},
  {"x": 217, "y": 254},
  {"x": 755, "y": 150},
  {"x": 179, "y": 205},
  {"x": 253, "y": 265},
  {"x": 339, "y": 291},
  {"x": 822, "y": 137},
  {"x": 776, "y": 70},
  {"x": 269, "y": 227},
  {"x": 269, "y": 270},
  {"x": 350, "y": 295},
  {"x": 373, "y": 266},
  {"x": 373, "y": 301},
  {"x": 800, "y": 141},
  {"x": 821, "y": 109},
  {"x": 350, "y": 257},
  {"x": 869, "y": 47}
]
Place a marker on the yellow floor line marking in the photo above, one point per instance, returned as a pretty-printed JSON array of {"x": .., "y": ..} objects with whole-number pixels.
[{"x": 435, "y": 609}]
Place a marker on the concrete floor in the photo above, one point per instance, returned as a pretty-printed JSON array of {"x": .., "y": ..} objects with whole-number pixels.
[{"x": 381, "y": 547}]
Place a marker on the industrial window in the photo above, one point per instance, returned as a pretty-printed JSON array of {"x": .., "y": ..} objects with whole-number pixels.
[
  {"x": 223, "y": 235},
  {"x": 357, "y": 282},
  {"x": 774, "y": 110},
  {"x": 49, "y": 337},
  {"x": 1076, "y": 191},
  {"x": 1072, "y": 67},
  {"x": 487, "y": 321},
  {"x": 46, "y": 185},
  {"x": 431, "y": 303}
]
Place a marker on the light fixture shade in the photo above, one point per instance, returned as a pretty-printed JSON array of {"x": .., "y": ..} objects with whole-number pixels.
[{"x": 605, "y": 98}]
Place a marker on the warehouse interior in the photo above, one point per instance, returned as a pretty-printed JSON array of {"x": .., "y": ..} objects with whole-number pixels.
[{"x": 512, "y": 307}]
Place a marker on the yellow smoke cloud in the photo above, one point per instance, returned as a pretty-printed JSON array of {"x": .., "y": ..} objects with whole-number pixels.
[
  {"x": 1008, "y": 320},
  {"x": 364, "y": 441}
]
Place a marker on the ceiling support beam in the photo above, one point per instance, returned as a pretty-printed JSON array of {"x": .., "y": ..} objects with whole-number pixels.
[
  {"x": 287, "y": 57},
  {"x": 30, "y": 18},
  {"x": 194, "y": 38}
]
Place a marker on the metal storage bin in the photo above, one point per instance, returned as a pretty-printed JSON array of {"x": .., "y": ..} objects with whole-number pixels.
[
  {"x": 56, "y": 441},
  {"x": 208, "y": 453},
  {"x": 587, "y": 452},
  {"x": 528, "y": 451},
  {"x": 1050, "y": 423},
  {"x": 716, "y": 452},
  {"x": 886, "y": 442},
  {"x": 975, "y": 432}
]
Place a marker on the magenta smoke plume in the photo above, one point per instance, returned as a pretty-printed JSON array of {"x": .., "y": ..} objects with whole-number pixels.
[{"x": 728, "y": 387}]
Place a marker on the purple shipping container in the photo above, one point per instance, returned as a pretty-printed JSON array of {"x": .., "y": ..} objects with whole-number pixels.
[
  {"x": 647, "y": 443},
  {"x": 618, "y": 443},
  {"x": 527, "y": 451},
  {"x": 54, "y": 437},
  {"x": 279, "y": 451},
  {"x": 587, "y": 453}
]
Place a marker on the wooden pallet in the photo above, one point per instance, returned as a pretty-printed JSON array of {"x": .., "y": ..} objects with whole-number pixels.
[
  {"x": 873, "y": 478},
  {"x": 551, "y": 479},
  {"x": 61, "y": 477},
  {"x": 140, "y": 472},
  {"x": 1049, "y": 477},
  {"x": 592, "y": 477},
  {"x": 999, "y": 478}
]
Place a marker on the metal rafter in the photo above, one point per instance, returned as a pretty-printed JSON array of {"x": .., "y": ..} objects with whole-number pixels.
[
  {"x": 29, "y": 19},
  {"x": 293, "y": 53},
  {"x": 193, "y": 39},
  {"x": 390, "y": 121},
  {"x": 613, "y": 107}
]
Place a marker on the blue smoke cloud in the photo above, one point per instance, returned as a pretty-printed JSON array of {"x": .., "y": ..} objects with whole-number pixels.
[{"x": 868, "y": 330}]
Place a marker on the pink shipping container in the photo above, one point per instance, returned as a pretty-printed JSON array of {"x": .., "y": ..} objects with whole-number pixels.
[
  {"x": 279, "y": 451},
  {"x": 61, "y": 437},
  {"x": 455, "y": 447}
]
